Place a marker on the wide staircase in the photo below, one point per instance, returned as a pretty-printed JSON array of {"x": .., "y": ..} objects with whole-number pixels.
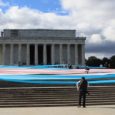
[{"x": 54, "y": 96}]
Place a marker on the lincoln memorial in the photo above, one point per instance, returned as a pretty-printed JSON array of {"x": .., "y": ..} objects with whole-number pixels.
[{"x": 41, "y": 46}]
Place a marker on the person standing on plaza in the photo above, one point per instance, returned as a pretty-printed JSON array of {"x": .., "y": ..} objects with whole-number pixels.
[{"x": 82, "y": 89}]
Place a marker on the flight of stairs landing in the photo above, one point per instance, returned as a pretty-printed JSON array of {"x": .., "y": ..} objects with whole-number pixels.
[{"x": 54, "y": 96}]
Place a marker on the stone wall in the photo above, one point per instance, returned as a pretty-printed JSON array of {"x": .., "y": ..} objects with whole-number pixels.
[{"x": 38, "y": 33}]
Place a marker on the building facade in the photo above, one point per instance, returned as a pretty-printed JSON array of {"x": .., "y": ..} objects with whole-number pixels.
[{"x": 41, "y": 46}]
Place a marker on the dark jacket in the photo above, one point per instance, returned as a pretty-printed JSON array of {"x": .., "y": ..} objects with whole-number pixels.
[{"x": 83, "y": 86}]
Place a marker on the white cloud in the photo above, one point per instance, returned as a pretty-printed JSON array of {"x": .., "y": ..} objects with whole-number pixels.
[
  {"x": 3, "y": 3},
  {"x": 97, "y": 13},
  {"x": 95, "y": 39},
  {"x": 16, "y": 17},
  {"x": 109, "y": 34},
  {"x": 95, "y": 18}
]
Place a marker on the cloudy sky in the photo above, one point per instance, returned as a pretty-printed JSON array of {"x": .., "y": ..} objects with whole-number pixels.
[{"x": 94, "y": 19}]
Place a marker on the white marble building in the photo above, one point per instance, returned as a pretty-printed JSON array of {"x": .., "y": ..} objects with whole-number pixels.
[{"x": 41, "y": 46}]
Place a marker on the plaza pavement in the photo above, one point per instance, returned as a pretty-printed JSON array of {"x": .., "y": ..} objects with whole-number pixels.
[{"x": 90, "y": 110}]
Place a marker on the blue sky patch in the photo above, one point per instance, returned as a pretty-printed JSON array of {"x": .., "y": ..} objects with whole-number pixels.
[{"x": 42, "y": 5}]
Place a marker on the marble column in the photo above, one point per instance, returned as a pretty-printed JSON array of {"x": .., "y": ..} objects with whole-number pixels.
[
  {"x": 68, "y": 53},
  {"x": 83, "y": 54},
  {"x": 44, "y": 54},
  {"x": 76, "y": 54},
  {"x": 3, "y": 53},
  {"x": 52, "y": 54},
  {"x": 61, "y": 61},
  {"x": 36, "y": 54},
  {"x": 19, "y": 53},
  {"x": 28, "y": 55},
  {"x": 11, "y": 54}
]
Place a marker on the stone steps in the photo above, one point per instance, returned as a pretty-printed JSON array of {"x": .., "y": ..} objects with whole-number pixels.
[{"x": 54, "y": 96}]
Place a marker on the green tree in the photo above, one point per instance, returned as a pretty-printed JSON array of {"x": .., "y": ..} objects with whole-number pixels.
[
  {"x": 112, "y": 61},
  {"x": 93, "y": 61},
  {"x": 106, "y": 62}
]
